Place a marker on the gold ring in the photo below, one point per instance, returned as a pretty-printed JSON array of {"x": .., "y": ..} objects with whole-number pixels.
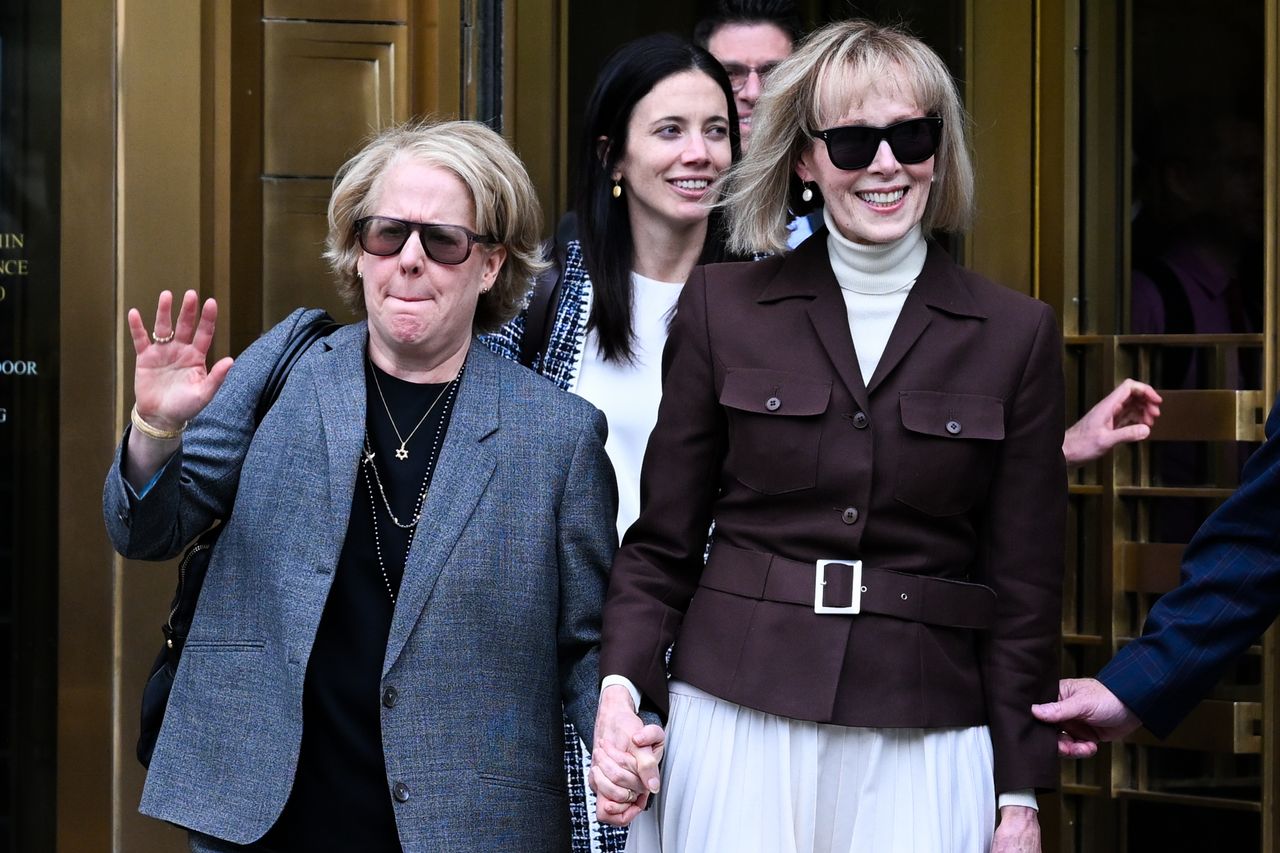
[{"x": 163, "y": 340}]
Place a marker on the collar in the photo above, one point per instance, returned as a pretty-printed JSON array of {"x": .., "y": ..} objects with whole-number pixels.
[
  {"x": 877, "y": 268},
  {"x": 806, "y": 272}
]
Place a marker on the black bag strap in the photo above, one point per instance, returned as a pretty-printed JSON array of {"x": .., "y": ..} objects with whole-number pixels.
[
  {"x": 299, "y": 342},
  {"x": 538, "y": 319},
  {"x": 195, "y": 560},
  {"x": 189, "y": 583}
]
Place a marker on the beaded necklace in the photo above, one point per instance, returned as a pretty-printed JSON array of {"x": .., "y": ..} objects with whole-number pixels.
[{"x": 370, "y": 466}]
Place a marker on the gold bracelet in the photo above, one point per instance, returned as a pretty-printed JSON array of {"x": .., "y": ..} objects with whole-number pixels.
[{"x": 154, "y": 432}]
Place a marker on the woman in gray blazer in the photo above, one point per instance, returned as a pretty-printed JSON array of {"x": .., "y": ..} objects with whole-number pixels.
[{"x": 408, "y": 587}]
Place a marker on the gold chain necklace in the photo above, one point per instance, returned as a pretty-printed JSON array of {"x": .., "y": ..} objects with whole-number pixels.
[{"x": 401, "y": 453}]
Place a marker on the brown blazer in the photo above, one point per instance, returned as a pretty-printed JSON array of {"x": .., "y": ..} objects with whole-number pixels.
[{"x": 948, "y": 464}]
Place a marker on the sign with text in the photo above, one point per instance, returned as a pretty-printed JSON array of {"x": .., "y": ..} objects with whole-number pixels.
[{"x": 30, "y": 159}]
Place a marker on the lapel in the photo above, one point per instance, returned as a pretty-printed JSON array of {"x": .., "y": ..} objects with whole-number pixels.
[
  {"x": 341, "y": 366},
  {"x": 462, "y": 473},
  {"x": 806, "y": 273},
  {"x": 939, "y": 288}
]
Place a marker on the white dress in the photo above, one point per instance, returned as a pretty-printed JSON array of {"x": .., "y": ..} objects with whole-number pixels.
[{"x": 736, "y": 780}]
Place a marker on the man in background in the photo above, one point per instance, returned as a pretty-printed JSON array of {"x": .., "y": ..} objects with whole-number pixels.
[{"x": 750, "y": 37}]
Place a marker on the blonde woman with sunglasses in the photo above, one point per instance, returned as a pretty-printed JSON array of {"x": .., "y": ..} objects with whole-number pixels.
[{"x": 877, "y": 433}]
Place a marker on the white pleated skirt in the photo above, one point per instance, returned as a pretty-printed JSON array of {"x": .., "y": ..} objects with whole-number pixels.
[{"x": 736, "y": 780}]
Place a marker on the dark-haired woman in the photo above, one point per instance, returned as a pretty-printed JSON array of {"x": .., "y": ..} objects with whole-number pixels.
[{"x": 660, "y": 127}]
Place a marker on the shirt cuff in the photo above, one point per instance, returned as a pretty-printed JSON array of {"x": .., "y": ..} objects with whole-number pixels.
[
  {"x": 610, "y": 680},
  {"x": 142, "y": 493},
  {"x": 1021, "y": 797},
  {"x": 139, "y": 494}
]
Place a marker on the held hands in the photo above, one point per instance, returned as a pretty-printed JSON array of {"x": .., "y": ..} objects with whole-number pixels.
[
  {"x": 624, "y": 759},
  {"x": 1086, "y": 712},
  {"x": 1125, "y": 415},
  {"x": 171, "y": 383}
]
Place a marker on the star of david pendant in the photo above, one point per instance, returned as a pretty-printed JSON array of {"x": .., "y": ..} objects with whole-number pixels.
[{"x": 402, "y": 454}]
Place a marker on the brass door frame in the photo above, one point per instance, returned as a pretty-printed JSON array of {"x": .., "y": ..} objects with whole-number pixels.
[
  {"x": 1271, "y": 271},
  {"x": 88, "y": 335},
  {"x": 1075, "y": 71},
  {"x": 1001, "y": 100},
  {"x": 535, "y": 104}
]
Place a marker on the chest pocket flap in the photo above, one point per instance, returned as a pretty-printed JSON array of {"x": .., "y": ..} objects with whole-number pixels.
[
  {"x": 953, "y": 415},
  {"x": 775, "y": 428},
  {"x": 774, "y": 392}
]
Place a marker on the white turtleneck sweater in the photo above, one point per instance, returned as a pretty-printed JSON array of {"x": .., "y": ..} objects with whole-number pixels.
[{"x": 874, "y": 281}]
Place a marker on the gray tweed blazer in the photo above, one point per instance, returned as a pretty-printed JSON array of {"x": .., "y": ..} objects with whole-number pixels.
[{"x": 496, "y": 627}]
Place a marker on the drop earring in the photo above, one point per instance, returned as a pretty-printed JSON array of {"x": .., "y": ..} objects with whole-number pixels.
[
  {"x": 617, "y": 188},
  {"x": 807, "y": 194}
]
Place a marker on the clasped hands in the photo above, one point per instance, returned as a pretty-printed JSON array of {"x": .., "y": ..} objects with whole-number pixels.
[{"x": 624, "y": 758}]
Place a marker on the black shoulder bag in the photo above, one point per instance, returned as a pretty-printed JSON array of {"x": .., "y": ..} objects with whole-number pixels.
[{"x": 195, "y": 560}]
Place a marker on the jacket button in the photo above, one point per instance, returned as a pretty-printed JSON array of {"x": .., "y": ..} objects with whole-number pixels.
[
  {"x": 401, "y": 792},
  {"x": 389, "y": 697},
  {"x": 860, "y": 420},
  {"x": 953, "y": 427},
  {"x": 773, "y": 404},
  {"x": 849, "y": 516}
]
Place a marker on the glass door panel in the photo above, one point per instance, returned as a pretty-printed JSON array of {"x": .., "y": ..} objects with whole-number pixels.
[{"x": 1167, "y": 167}]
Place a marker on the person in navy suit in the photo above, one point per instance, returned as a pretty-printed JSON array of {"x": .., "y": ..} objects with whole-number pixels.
[{"x": 1230, "y": 593}]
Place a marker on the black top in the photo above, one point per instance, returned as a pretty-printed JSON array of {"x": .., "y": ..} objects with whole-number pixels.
[{"x": 341, "y": 799}]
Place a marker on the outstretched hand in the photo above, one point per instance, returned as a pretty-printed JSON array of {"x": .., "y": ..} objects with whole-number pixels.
[
  {"x": 171, "y": 382},
  {"x": 1086, "y": 712},
  {"x": 1125, "y": 415}
]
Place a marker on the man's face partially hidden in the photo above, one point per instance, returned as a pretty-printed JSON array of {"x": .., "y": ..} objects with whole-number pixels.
[{"x": 748, "y": 52}]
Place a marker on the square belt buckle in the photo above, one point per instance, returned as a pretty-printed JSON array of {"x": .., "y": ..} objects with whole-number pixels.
[{"x": 820, "y": 581}]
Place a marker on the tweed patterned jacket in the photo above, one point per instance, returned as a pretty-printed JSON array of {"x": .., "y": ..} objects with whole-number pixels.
[
  {"x": 563, "y": 357},
  {"x": 561, "y": 363}
]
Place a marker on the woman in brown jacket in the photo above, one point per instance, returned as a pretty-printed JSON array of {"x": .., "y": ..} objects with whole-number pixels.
[{"x": 877, "y": 434}]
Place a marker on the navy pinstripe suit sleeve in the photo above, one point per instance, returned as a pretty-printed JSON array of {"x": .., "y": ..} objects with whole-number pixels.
[{"x": 1230, "y": 593}]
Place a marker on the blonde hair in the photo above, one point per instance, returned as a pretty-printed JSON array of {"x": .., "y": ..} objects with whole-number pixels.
[
  {"x": 505, "y": 202},
  {"x": 762, "y": 190}
]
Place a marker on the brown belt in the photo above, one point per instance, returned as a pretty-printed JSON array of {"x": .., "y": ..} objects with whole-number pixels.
[{"x": 830, "y": 588}]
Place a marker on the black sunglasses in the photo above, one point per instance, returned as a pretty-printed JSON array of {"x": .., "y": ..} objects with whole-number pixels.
[
  {"x": 444, "y": 244},
  {"x": 912, "y": 141}
]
